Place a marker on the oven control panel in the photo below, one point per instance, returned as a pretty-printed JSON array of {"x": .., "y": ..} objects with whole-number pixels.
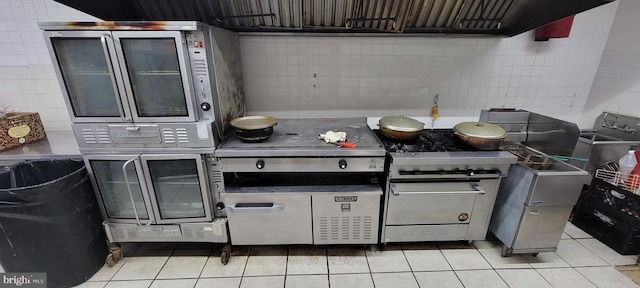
[
  {"x": 306, "y": 164},
  {"x": 160, "y": 135},
  {"x": 216, "y": 182},
  {"x": 197, "y": 47}
]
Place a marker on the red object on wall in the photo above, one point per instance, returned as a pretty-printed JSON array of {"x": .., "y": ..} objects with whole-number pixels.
[{"x": 556, "y": 29}]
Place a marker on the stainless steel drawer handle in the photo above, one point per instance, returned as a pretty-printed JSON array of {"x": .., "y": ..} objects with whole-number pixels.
[
  {"x": 394, "y": 190},
  {"x": 534, "y": 212},
  {"x": 233, "y": 208},
  {"x": 477, "y": 190}
]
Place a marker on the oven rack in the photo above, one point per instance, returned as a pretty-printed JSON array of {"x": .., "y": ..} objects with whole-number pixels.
[{"x": 628, "y": 182}]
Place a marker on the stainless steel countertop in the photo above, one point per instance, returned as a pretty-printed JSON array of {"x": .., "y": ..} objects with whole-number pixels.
[
  {"x": 57, "y": 145},
  {"x": 298, "y": 137}
]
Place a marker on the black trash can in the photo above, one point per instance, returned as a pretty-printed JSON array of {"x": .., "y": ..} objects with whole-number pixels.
[{"x": 50, "y": 221}]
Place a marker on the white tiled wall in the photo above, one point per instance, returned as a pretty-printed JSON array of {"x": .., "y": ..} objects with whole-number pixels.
[
  {"x": 350, "y": 76},
  {"x": 376, "y": 76},
  {"x": 616, "y": 87},
  {"x": 27, "y": 80}
]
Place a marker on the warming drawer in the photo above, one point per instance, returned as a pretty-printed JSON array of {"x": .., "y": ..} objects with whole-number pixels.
[{"x": 268, "y": 218}]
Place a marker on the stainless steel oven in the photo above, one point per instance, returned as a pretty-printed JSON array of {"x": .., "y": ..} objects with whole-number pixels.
[
  {"x": 148, "y": 197},
  {"x": 438, "y": 189},
  {"x": 146, "y": 72},
  {"x": 149, "y": 102}
]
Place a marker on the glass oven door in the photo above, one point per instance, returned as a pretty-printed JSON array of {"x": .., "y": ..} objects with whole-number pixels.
[
  {"x": 179, "y": 186},
  {"x": 88, "y": 71},
  {"x": 156, "y": 75},
  {"x": 121, "y": 193}
]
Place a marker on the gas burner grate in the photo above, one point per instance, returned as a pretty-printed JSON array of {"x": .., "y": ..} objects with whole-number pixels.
[{"x": 428, "y": 141}]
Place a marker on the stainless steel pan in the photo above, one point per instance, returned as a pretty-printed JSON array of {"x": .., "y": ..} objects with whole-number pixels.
[
  {"x": 254, "y": 128},
  {"x": 482, "y": 136},
  {"x": 400, "y": 127}
]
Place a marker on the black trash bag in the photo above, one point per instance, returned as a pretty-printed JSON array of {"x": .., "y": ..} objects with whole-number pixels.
[{"x": 50, "y": 221}]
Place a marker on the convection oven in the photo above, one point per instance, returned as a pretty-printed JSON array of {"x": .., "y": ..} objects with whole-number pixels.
[
  {"x": 156, "y": 197},
  {"x": 184, "y": 73},
  {"x": 149, "y": 102}
]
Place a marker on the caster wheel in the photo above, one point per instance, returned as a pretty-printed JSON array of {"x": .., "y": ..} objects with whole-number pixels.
[
  {"x": 111, "y": 260},
  {"x": 225, "y": 255},
  {"x": 506, "y": 252},
  {"x": 117, "y": 255}
]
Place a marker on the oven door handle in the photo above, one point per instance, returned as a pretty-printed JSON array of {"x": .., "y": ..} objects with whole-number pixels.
[
  {"x": 107, "y": 54},
  {"x": 126, "y": 180},
  {"x": 233, "y": 208},
  {"x": 477, "y": 190}
]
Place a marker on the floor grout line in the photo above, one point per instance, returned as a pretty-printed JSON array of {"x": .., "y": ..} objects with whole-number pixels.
[{"x": 368, "y": 251}]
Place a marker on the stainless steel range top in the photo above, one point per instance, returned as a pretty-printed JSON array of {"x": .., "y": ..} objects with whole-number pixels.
[
  {"x": 298, "y": 137},
  {"x": 438, "y": 189},
  {"x": 440, "y": 153}
]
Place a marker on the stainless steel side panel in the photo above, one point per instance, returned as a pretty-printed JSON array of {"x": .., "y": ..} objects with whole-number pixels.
[
  {"x": 600, "y": 152},
  {"x": 416, "y": 233},
  {"x": 552, "y": 136},
  {"x": 350, "y": 218},
  {"x": 228, "y": 93},
  {"x": 431, "y": 203},
  {"x": 541, "y": 227},
  {"x": 555, "y": 188},
  {"x": 498, "y": 116},
  {"x": 275, "y": 218}
]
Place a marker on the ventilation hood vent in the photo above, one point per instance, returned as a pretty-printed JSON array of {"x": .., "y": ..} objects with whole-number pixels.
[{"x": 497, "y": 17}]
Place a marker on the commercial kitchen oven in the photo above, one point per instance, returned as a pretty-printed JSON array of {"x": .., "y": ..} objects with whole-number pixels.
[
  {"x": 149, "y": 102},
  {"x": 185, "y": 78},
  {"x": 156, "y": 197}
]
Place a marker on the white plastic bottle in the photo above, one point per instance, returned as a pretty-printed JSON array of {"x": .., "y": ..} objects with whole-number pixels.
[{"x": 628, "y": 162}]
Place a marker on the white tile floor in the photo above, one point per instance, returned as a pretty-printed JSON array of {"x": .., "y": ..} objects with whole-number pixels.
[{"x": 580, "y": 261}]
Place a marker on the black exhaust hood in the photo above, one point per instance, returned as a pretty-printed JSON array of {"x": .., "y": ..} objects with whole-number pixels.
[{"x": 455, "y": 17}]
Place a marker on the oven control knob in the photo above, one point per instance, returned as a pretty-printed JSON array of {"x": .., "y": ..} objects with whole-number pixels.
[
  {"x": 342, "y": 164},
  {"x": 205, "y": 106},
  {"x": 260, "y": 164},
  {"x": 470, "y": 172}
]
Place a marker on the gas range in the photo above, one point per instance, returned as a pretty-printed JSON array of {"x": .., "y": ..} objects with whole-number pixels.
[
  {"x": 438, "y": 140},
  {"x": 441, "y": 153},
  {"x": 439, "y": 189}
]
